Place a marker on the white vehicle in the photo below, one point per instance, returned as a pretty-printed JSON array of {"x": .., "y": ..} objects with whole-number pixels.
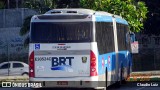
[
  {"x": 14, "y": 68},
  {"x": 78, "y": 48}
]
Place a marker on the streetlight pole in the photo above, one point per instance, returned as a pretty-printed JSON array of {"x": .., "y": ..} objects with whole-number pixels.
[{"x": 8, "y": 55}]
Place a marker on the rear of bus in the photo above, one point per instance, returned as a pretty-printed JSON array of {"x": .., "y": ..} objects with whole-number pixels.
[{"x": 61, "y": 51}]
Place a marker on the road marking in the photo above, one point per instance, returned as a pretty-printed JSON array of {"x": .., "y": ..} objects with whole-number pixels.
[{"x": 140, "y": 88}]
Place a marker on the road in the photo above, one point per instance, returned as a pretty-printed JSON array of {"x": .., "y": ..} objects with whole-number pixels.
[{"x": 128, "y": 86}]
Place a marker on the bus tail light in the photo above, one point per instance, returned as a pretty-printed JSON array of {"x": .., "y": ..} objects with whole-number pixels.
[
  {"x": 31, "y": 65},
  {"x": 93, "y": 65}
]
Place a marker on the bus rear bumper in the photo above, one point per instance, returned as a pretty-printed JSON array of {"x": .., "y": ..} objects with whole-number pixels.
[{"x": 76, "y": 82}]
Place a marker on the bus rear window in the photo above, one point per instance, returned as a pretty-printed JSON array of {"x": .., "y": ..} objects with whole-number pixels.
[{"x": 61, "y": 32}]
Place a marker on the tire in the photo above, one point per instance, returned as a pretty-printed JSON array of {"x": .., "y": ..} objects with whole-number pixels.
[
  {"x": 118, "y": 83},
  {"x": 123, "y": 81},
  {"x": 129, "y": 69}
]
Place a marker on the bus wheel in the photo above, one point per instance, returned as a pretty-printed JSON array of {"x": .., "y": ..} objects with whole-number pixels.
[
  {"x": 118, "y": 83},
  {"x": 124, "y": 80},
  {"x": 129, "y": 69}
]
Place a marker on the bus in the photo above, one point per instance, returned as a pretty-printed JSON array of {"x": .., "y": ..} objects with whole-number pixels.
[{"x": 79, "y": 48}]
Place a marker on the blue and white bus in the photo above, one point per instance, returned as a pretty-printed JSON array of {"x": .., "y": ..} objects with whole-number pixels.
[{"x": 78, "y": 47}]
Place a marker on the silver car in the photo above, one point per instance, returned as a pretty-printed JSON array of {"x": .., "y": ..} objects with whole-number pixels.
[{"x": 14, "y": 68}]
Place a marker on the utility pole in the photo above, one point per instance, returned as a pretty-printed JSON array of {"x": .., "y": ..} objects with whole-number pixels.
[{"x": 8, "y": 56}]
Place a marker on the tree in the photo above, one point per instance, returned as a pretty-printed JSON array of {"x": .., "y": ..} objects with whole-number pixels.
[
  {"x": 41, "y": 6},
  {"x": 1, "y": 5},
  {"x": 25, "y": 29},
  {"x": 67, "y": 3},
  {"x": 134, "y": 12}
]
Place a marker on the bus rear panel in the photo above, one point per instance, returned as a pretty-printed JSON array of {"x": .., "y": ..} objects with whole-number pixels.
[{"x": 62, "y": 51}]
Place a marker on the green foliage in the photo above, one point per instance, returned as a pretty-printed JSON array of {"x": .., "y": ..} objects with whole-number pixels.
[
  {"x": 1, "y": 5},
  {"x": 67, "y": 3},
  {"x": 25, "y": 30},
  {"x": 133, "y": 12},
  {"x": 40, "y": 5},
  {"x": 26, "y": 26}
]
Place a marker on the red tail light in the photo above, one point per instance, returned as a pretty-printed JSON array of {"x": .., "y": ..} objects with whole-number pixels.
[
  {"x": 93, "y": 64},
  {"x": 31, "y": 65}
]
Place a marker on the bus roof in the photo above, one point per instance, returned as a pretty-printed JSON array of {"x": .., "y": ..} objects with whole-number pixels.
[
  {"x": 78, "y": 11},
  {"x": 73, "y": 10},
  {"x": 82, "y": 11}
]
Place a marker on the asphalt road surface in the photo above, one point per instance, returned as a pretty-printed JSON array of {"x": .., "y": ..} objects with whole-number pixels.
[{"x": 128, "y": 86}]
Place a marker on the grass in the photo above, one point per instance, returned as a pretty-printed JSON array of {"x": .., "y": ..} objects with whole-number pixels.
[
  {"x": 143, "y": 78},
  {"x": 10, "y": 79}
]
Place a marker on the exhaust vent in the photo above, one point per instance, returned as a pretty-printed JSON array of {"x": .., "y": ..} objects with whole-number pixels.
[
  {"x": 71, "y": 11},
  {"x": 54, "y": 12}
]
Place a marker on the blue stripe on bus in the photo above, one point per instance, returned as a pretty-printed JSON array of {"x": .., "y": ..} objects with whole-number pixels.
[
  {"x": 123, "y": 59},
  {"x": 103, "y": 18},
  {"x": 119, "y": 20},
  {"x": 110, "y": 64}
]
